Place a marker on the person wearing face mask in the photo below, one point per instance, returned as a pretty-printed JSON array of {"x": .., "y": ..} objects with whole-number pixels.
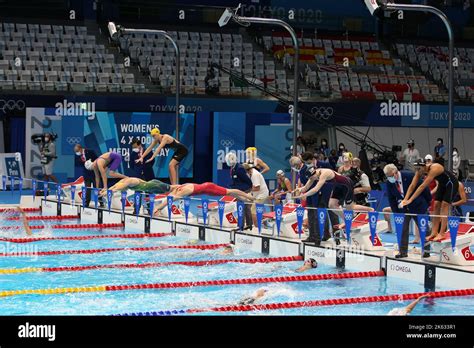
[
  {"x": 398, "y": 188},
  {"x": 409, "y": 156},
  {"x": 48, "y": 156},
  {"x": 456, "y": 164},
  {"x": 144, "y": 169},
  {"x": 324, "y": 149},
  {"x": 333, "y": 157},
  {"x": 341, "y": 149},
  {"x": 439, "y": 149},
  {"x": 240, "y": 181},
  {"x": 81, "y": 156}
]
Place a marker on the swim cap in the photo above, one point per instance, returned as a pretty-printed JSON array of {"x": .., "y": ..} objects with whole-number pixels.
[
  {"x": 88, "y": 164},
  {"x": 251, "y": 149},
  {"x": 155, "y": 131},
  {"x": 231, "y": 159},
  {"x": 428, "y": 158},
  {"x": 280, "y": 172},
  {"x": 348, "y": 155}
]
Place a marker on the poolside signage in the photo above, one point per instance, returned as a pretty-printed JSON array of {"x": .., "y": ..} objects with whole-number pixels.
[
  {"x": 187, "y": 204},
  {"x": 169, "y": 200},
  {"x": 220, "y": 210},
  {"x": 33, "y": 186},
  {"x": 240, "y": 214},
  {"x": 373, "y": 217},
  {"x": 73, "y": 194},
  {"x": 322, "y": 213},
  {"x": 278, "y": 215},
  {"x": 109, "y": 199},
  {"x": 399, "y": 219},
  {"x": 4, "y": 183},
  {"x": 423, "y": 221},
  {"x": 95, "y": 196},
  {"x": 123, "y": 199},
  {"x": 84, "y": 195},
  {"x": 20, "y": 185},
  {"x": 137, "y": 201},
  {"x": 259, "y": 208},
  {"x": 45, "y": 189},
  {"x": 299, "y": 218},
  {"x": 151, "y": 204},
  {"x": 348, "y": 216},
  {"x": 205, "y": 209},
  {"x": 453, "y": 225},
  {"x": 58, "y": 193}
]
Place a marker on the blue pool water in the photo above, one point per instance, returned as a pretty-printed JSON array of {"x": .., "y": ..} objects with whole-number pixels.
[{"x": 117, "y": 302}]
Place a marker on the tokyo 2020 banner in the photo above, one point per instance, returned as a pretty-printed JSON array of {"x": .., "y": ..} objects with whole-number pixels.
[{"x": 103, "y": 132}]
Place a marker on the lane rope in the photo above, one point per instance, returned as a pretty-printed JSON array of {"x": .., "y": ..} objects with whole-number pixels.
[
  {"x": 122, "y": 235},
  {"x": 175, "y": 285},
  {"x": 26, "y": 210},
  {"x": 149, "y": 265},
  {"x": 108, "y": 250},
  {"x": 66, "y": 227},
  {"x": 40, "y": 217},
  {"x": 311, "y": 303}
]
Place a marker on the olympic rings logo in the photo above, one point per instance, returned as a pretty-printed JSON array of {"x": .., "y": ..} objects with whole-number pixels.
[
  {"x": 73, "y": 140},
  {"x": 453, "y": 223},
  {"x": 11, "y": 105},
  {"x": 322, "y": 112},
  {"x": 399, "y": 220},
  {"x": 227, "y": 143},
  {"x": 348, "y": 216}
]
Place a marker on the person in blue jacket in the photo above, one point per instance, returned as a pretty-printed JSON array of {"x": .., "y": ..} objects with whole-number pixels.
[
  {"x": 398, "y": 183},
  {"x": 240, "y": 181},
  {"x": 144, "y": 169}
]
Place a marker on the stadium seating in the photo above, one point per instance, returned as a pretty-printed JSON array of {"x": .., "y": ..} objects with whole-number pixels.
[{"x": 58, "y": 58}]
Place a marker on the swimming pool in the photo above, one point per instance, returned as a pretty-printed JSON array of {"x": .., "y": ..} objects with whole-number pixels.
[{"x": 112, "y": 272}]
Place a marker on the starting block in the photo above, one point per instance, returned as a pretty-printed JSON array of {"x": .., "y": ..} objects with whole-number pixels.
[
  {"x": 177, "y": 211},
  {"x": 66, "y": 191},
  {"x": 230, "y": 211},
  {"x": 360, "y": 233},
  {"x": 462, "y": 255},
  {"x": 289, "y": 222}
]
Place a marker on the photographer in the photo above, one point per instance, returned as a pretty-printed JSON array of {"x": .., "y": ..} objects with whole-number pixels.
[{"x": 48, "y": 156}]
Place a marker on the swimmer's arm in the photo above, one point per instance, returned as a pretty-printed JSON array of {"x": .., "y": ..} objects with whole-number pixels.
[
  {"x": 314, "y": 190},
  {"x": 148, "y": 150},
  {"x": 265, "y": 166},
  {"x": 25, "y": 222},
  {"x": 412, "y": 305},
  {"x": 433, "y": 173},
  {"x": 97, "y": 176},
  {"x": 433, "y": 191},
  {"x": 165, "y": 140},
  {"x": 305, "y": 187},
  {"x": 463, "y": 196},
  {"x": 288, "y": 185},
  {"x": 413, "y": 184}
]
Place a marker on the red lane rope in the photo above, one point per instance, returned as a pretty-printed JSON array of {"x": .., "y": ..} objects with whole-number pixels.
[
  {"x": 333, "y": 302},
  {"x": 285, "y": 279},
  {"x": 107, "y": 250},
  {"x": 129, "y": 235},
  {"x": 26, "y": 210},
  {"x": 164, "y": 264},
  {"x": 76, "y": 226},
  {"x": 40, "y": 217}
]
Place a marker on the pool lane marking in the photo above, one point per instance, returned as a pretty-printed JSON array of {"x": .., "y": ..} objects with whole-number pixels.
[
  {"x": 175, "y": 285},
  {"x": 102, "y": 236},
  {"x": 309, "y": 303},
  {"x": 66, "y": 227},
  {"x": 108, "y": 250},
  {"x": 149, "y": 265},
  {"x": 46, "y": 217}
]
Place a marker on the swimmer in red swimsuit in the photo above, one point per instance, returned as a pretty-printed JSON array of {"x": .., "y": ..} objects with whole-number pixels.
[{"x": 207, "y": 188}]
